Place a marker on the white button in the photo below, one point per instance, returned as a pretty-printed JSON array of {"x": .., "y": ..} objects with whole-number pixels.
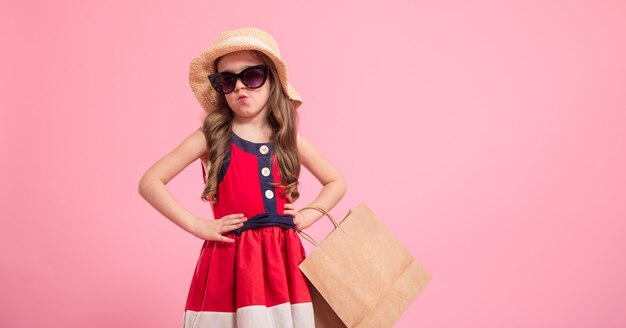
[
  {"x": 265, "y": 171},
  {"x": 269, "y": 194},
  {"x": 264, "y": 149}
]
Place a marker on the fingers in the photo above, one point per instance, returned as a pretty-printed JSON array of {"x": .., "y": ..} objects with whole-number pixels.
[
  {"x": 294, "y": 214},
  {"x": 232, "y": 219},
  {"x": 290, "y": 209},
  {"x": 231, "y": 222},
  {"x": 235, "y": 221},
  {"x": 233, "y": 216},
  {"x": 232, "y": 225}
]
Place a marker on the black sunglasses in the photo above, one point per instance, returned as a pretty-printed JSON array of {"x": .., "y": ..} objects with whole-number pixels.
[{"x": 252, "y": 77}]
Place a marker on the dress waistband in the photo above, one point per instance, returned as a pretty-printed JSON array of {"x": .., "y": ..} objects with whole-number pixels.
[{"x": 267, "y": 220}]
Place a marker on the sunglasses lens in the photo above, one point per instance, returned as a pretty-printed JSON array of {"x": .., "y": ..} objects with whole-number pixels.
[
  {"x": 224, "y": 83},
  {"x": 254, "y": 78}
]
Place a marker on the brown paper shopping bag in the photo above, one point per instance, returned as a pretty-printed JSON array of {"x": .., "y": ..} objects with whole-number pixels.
[{"x": 360, "y": 275}]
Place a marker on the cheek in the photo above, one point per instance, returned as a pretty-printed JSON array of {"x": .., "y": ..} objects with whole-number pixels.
[
  {"x": 231, "y": 97},
  {"x": 266, "y": 91},
  {"x": 230, "y": 101},
  {"x": 261, "y": 95}
]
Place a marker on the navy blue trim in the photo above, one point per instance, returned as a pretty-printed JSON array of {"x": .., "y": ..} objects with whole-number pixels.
[
  {"x": 267, "y": 220},
  {"x": 203, "y": 172},
  {"x": 266, "y": 184},
  {"x": 263, "y": 160},
  {"x": 225, "y": 165},
  {"x": 252, "y": 147}
]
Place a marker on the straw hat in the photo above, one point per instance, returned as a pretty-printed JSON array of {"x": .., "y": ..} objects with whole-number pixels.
[{"x": 248, "y": 38}]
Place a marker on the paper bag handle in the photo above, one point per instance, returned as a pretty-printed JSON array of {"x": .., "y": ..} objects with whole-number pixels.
[{"x": 305, "y": 235}]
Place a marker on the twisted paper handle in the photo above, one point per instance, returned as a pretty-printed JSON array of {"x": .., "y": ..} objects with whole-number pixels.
[{"x": 305, "y": 235}]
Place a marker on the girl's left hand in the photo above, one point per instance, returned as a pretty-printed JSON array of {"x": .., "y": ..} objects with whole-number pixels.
[{"x": 299, "y": 220}]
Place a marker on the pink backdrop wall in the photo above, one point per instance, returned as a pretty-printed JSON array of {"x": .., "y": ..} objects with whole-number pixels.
[{"x": 490, "y": 136}]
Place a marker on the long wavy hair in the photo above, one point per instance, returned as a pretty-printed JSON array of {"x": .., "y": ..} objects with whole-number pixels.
[{"x": 283, "y": 119}]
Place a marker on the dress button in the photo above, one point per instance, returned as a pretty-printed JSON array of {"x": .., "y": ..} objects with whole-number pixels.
[
  {"x": 265, "y": 171},
  {"x": 264, "y": 149},
  {"x": 269, "y": 194}
]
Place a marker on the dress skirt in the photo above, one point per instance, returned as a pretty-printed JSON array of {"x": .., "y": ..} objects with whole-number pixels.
[{"x": 253, "y": 282}]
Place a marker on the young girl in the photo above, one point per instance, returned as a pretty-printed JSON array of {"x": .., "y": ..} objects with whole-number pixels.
[{"x": 247, "y": 273}]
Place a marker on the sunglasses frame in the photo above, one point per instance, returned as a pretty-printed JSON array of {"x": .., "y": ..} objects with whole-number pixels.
[{"x": 239, "y": 76}]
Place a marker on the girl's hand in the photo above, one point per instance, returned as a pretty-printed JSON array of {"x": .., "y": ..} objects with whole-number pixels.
[
  {"x": 213, "y": 229},
  {"x": 299, "y": 220}
]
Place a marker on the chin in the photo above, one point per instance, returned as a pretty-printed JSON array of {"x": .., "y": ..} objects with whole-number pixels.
[{"x": 246, "y": 112}]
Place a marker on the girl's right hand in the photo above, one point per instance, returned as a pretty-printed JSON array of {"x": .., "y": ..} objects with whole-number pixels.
[{"x": 213, "y": 229}]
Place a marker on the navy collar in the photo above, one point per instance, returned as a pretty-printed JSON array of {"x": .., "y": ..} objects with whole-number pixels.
[{"x": 254, "y": 148}]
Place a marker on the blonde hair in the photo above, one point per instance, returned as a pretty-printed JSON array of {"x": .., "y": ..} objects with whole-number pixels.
[{"x": 283, "y": 119}]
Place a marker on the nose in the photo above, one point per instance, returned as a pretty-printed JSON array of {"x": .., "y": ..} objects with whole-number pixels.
[{"x": 239, "y": 84}]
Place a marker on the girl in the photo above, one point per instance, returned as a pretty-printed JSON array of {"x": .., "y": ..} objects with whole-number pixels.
[{"x": 247, "y": 273}]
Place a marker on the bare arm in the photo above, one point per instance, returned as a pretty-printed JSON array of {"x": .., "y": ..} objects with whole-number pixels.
[
  {"x": 152, "y": 188},
  {"x": 334, "y": 185}
]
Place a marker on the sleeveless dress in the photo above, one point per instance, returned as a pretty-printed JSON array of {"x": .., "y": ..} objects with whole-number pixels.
[{"x": 255, "y": 281}]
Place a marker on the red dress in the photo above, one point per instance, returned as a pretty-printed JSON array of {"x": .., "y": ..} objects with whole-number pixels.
[{"x": 255, "y": 281}]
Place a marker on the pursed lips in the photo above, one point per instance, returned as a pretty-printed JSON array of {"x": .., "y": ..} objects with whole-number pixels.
[{"x": 242, "y": 99}]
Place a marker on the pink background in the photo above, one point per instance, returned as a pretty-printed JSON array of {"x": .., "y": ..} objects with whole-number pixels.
[{"x": 490, "y": 136}]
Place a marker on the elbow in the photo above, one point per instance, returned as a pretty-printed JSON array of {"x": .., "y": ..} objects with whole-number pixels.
[
  {"x": 343, "y": 186},
  {"x": 148, "y": 183},
  {"x": 143, "y": 186}
]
